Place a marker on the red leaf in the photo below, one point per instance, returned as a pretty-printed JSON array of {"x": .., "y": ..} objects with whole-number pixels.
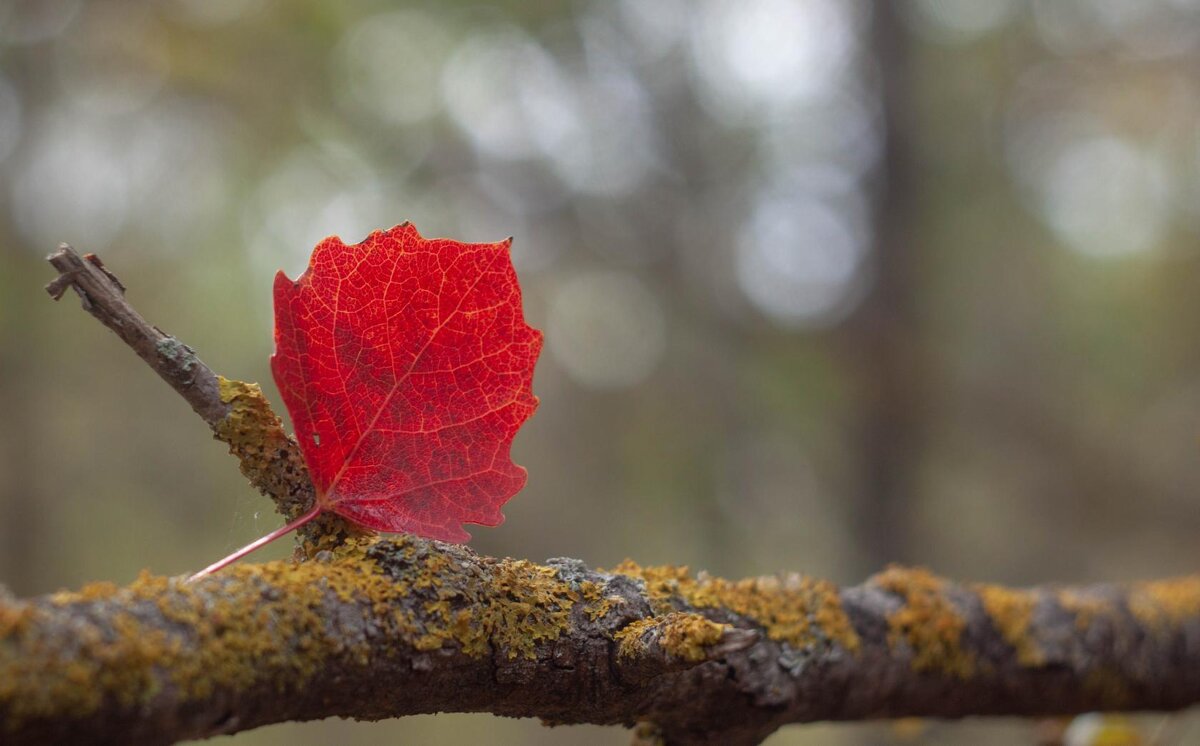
[{"x": 407, "y": 366}]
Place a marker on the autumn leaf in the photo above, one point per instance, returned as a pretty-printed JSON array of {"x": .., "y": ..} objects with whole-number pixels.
[{"x": 407, "y": 367}]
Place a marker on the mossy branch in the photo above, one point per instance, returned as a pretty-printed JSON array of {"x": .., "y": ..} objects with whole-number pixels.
[
  {"x": 372, "y": 628},
  {"x": 391, "y": 627}
]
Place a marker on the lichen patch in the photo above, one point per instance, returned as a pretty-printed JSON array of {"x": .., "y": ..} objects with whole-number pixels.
[
  {"x": 927, "y": 622},
  {"x": 1011, "y": 613},
  {"x": 796, "y": 609},
  {"x": 1164, "y": 605},
  {"x": 681, "y": 635},
  {"x": 267, "y": 456}
]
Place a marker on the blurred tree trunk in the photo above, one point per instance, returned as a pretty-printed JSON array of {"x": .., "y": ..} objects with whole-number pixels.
[{"x": 881, "y": 337}]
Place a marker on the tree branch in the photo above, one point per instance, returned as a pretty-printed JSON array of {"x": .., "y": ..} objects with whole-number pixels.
[
  {"x": 237, "y": 412},
  {"x": 103, "y": 296},
  {"x": 372, "y": 628},
  {"x": 383, "y": 628}
]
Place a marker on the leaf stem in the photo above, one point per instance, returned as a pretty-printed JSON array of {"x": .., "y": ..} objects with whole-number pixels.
[{"x": 257, "y": 543}]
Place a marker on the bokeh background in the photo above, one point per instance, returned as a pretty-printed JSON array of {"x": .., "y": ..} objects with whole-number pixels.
[{"x": 825, "y": 284}]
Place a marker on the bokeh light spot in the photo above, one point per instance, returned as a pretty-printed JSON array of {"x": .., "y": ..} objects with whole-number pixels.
[
  {"x": 798, "y": 261},
  {"x": 760, "y": 56},
  {"x": 1104, "y": 196},
  {"x": 508, "y": 95},
  {"x": 606, "y": 330},
  {"x": 389, "y": 64}
]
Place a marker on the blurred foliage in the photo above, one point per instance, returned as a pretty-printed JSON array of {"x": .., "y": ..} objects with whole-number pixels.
[{"x": 825, "y": 284}]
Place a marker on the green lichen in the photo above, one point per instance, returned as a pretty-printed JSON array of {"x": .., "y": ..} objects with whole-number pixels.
[
  {"x": 927, "y": 622},
  {"x": 177, "y": 352},
  {"x": 802, "y": 611}
]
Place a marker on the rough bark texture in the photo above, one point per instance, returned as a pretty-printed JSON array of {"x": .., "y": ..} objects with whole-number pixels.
[
  {"x": 372, "y": 628},
  {"x": 382, "y": 628}
]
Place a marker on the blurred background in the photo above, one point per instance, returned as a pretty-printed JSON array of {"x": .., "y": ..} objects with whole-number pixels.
[{"x": 825, "y": 284}]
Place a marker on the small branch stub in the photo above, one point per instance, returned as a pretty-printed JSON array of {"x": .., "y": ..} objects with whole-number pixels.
[
  {"x": 103, "y": 296},
  {"x": 237, "y": 412}
]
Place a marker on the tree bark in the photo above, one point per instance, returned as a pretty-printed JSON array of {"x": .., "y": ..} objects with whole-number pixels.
[{"x": 388, "y": 627}]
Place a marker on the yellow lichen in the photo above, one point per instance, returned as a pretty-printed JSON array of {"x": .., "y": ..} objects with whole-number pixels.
[
  {"x": 1011, "y": 612},
  {"x": 597, "y": 605},
  {"x": 629, "y": 637},
  {"x": 794, "y": 608},
  {"x": 101, "y": 589},
  {"x": 271, "y": 622},
  {"x": 683, "y": 635},
  {"x": 253, "y": 624},
  {"x": 74, "y": 676},
  {"x": 927, "y": 622},
  {"x": 265, "y": 453},
  {"x": 1085, "y": 608},
  {"x": 1164, "y": 605},
  {"x": 525, "y": 604},
  {"x": 250, "y": 422},
  {"x": 14, "y": 618}
]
